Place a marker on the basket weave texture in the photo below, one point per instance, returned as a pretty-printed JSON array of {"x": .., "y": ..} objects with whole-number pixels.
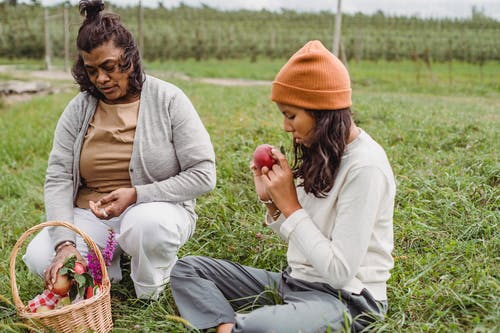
[{"x": 93, "y": 314}]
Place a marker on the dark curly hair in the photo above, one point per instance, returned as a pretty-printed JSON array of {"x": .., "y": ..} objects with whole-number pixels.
[
  {"x": 316, "y": 166},
  {"x": 97, "y": 30}
]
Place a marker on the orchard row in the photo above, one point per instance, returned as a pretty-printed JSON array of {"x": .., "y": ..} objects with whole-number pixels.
[{"x": 202, "y": 33}]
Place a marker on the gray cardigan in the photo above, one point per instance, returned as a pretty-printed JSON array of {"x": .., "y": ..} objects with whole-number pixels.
[{"x": 172, "y": 158}]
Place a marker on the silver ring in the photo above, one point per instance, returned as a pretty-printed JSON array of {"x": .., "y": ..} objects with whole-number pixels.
[{"x": 103, "y": 212}]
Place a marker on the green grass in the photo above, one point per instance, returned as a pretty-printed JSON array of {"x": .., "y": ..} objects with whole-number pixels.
[
  {"x": 263, "y": 69},
  {"x": 443, "y": 143},
  {"x": 28, "y": 64},
  {"x": 404, "y": 76}
]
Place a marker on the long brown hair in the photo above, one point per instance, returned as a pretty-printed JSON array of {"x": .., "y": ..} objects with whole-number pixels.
[
  {"x": 316, "y": 166},
  {"x": 97, "y": 30}
]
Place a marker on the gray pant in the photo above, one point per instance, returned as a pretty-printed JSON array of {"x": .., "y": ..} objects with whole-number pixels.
[{"x": 209, "y": 292}]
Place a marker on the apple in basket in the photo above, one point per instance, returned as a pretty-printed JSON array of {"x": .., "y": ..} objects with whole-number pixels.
[
  {"x": 92, "y": 291},
  {"x": 63, "y": 301},
  {"x": 79, "y": 269},
  {"x": 262, "y": 156},
  {"x": 43, "y": 308},
  {"x": 73, "y": 278},
  {"x": 62, "y": 285}
]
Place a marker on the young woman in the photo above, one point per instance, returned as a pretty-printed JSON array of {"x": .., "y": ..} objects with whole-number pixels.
[
  {"x": 334, "y": 207},
  {"x": 129, "y": 153}
]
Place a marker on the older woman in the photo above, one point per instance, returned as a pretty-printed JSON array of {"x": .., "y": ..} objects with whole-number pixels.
[{"x": 129, "y": 153}]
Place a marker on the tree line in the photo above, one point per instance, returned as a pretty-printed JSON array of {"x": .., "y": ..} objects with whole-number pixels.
[{"x": 204, "y": 32}]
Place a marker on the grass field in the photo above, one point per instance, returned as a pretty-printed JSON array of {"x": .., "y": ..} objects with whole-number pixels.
[{"x": 442, "y": 140}]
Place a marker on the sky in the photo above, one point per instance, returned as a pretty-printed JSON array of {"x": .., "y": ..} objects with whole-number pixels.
[{"x": 421, "y": 8}]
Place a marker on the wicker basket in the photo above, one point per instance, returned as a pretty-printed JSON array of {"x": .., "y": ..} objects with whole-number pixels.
[{"x": 93, "y": 314}]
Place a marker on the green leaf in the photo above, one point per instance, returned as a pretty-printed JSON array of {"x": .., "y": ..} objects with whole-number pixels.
[
  {"x": 63, "y": 271},
  {"x": 81, "y": 291},
  {"x": 89, "y": 281},
  {"x": 70, "y": 261},
  {"x": 80, "y": 280}
]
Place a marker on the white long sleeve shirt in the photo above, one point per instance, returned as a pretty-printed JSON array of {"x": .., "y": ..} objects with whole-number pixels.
[{"x": 346, "y": 238}]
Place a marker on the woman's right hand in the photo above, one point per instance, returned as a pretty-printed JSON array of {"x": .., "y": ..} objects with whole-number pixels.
[{"x": 50, "y": 275}]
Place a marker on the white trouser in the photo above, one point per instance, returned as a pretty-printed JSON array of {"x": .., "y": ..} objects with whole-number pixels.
[{"x": 151, "y": 233}]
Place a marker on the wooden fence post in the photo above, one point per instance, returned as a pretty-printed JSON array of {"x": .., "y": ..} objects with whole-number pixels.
[
  {"x": 450, "y": 62},
  {"x": 66, "y": 39},
  {"x": 273, "y": 40},
  {"x": 48, "y": 47},
  {"x": 336, "y": 30},
  {"x": 140, "y": 20}
]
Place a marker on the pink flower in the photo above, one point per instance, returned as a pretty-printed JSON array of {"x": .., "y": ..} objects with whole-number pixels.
[
  {"x": 94, "y": 267},
  {"x": 107, "y": 254}
]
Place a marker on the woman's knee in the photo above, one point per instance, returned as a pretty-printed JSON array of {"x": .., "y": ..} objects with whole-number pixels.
[
  {"x": 185, "y": 267},
  {"x": 148, "y": 217},
  {"x": 39, "y": 253},
  {"x": 154, "y": 225}
]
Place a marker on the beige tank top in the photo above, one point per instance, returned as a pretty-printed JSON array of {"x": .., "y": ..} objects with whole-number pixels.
[{"x": 106, "y": 151}]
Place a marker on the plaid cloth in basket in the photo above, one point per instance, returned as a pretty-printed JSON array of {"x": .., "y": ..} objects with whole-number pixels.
[{"x": 47, "y": 298}]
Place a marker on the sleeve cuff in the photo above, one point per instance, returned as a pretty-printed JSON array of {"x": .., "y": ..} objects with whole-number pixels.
[
  {"x": 274, "y": 224},
  {"x": 61, "y": 234},
  {"x": 289, "y": 225},
  {"x": 142, "y": 194}
]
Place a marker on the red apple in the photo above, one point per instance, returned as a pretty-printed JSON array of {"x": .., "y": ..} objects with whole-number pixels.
[
  {"x": 89, "y": 292},
  {"x": 62, "y": 285},
  {"x": 262, "y": 156},
  {"x": 79, "y": 268},
  {"x": 92, "y": 291}
]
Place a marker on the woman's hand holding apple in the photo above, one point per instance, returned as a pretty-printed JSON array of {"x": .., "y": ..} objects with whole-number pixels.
[
  {"x": 52, "y": 272},
  {"x": 263, "y": 160},
  {"x": 263, "y": 157},
  {"x": 65, "y": 280},
  {"x": 278, "y": 184}
]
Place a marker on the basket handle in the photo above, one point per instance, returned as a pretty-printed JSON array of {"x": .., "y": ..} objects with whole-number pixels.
[{"x": 15, "y": 294}]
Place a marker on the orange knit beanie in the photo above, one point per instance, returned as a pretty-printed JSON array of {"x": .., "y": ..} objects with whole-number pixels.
[{"x": 313, "y": 79}]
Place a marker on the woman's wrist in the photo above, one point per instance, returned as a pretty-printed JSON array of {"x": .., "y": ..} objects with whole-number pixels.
[
  {"x": 134, "y": 195},
  {"x": 272, "y": 209},
  {"x": 64, "y": 244},
  {"x": 290, "y": 208}
]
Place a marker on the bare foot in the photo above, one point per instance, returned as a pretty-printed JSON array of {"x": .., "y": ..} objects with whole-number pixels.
[{"x": 225, "y": 328}]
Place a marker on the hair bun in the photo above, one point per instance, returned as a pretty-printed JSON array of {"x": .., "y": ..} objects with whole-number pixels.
[{"x": 90, "y": 8}]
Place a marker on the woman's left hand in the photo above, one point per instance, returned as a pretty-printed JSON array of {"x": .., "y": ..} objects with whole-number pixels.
[
  {"x": 280, "y": 185},
  {"x": 114, "y": 203}
]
